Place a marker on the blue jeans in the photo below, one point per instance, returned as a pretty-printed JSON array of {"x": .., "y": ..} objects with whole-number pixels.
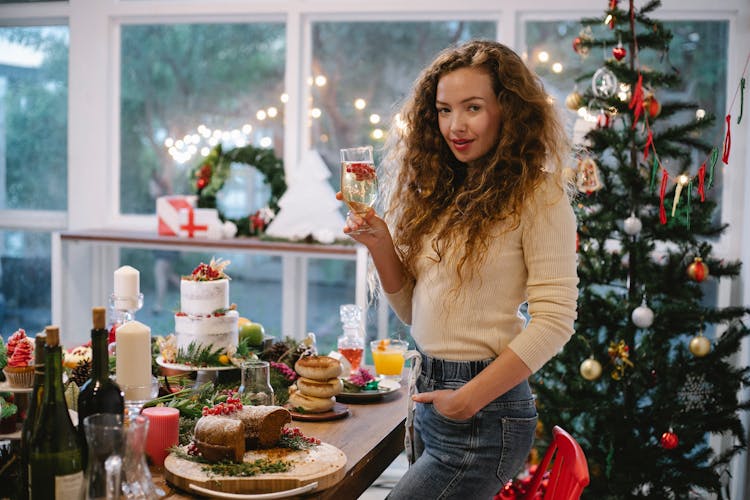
[{"x": 466, "y": 459}]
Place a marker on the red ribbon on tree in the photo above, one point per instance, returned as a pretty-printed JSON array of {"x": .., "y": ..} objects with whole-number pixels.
[
  {"x": 702, "y": 182},
  {"x": 727, "y": 142},
  {"x": 636, "y": 102},
  {"x": 649, "y": 143},
  {"x": 662, "y": 193}
]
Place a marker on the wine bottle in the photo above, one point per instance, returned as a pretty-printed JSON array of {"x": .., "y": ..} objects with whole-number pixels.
[
  {"x": 55, "y": 465},
  {"x": 99, "y": 394},
  {"x": 32, "y": 413}
]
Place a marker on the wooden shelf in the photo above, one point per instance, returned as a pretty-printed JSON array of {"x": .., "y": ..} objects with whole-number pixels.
[{"x": 149, "y": 239}]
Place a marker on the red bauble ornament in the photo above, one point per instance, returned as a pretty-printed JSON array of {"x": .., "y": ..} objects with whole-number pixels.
[
  {"x": 619, "y": 52},
  {"x": 652, "y": 106},
  {"x": 697, "y": 270},
  {"x": 669, "y": 440},
  {"x": 201, "y": 183}
]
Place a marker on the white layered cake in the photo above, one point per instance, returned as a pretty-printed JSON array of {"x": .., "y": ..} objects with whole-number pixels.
[{"x": 205, "y": 318}]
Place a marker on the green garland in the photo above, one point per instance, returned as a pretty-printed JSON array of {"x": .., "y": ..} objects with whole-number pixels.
[{"x": 208, "y": 177}]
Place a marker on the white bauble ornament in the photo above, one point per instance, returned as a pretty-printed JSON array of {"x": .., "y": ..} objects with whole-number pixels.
[
  {"x": 643, "y": 316},
  {"x": 590, "y": 369},
  {"x": 632, "y": 225},
  {"x": 604, "y": 83}
]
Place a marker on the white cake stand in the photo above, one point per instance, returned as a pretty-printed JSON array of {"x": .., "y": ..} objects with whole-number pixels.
[{"x": 205, "y": 373}]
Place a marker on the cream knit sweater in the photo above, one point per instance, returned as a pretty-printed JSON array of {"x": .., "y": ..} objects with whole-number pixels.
[{"x": 535, "y": 263}]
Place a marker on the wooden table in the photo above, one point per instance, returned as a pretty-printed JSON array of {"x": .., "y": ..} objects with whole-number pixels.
[{"x": 372, "y": 436}]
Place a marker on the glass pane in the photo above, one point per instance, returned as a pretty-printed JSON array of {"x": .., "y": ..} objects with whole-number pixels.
[
  {"x": 330, "y": 283},
  {"x": 255, "y": 286},
  {"x": 25, "y": 286},
  {"x": 186, "y": 88},
  {"x": 33, "y": 117},
  {"x": 357, "y": 91},
  {"x": 698, "y": 49}
]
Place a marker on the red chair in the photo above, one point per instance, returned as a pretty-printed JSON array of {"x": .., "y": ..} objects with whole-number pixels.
[{"x": 570, "y": 471}]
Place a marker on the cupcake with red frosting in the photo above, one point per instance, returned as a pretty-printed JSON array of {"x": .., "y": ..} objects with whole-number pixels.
[{"x": 20, "y": 368}]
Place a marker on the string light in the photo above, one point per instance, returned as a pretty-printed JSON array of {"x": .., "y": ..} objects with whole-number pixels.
[
  {"x": 543, "y": 56},
  {"x": 315, "y": 112},
  {"x": 557, "y": 67},
  {"x": 284, "y": 98},
  {"x": 321, "y": 80},
  {"x": 374, "y": 119},
  {"x": 360, "y": 103},
  {"x": 272, "y": 112}
]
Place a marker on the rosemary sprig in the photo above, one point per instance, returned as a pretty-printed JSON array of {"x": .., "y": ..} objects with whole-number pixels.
[{"x": 199, "y": 355}]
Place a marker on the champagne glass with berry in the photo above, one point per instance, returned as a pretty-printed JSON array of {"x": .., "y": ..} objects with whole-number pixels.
[{"x": 359, "y": 183}]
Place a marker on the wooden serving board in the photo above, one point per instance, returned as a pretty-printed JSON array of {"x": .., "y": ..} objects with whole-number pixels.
[{"x": 323, "y": 464}]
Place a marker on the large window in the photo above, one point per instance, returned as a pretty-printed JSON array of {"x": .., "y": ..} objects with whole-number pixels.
[
  {"x": 186, "y": 88},
  {"x": 33, "y": 167}
]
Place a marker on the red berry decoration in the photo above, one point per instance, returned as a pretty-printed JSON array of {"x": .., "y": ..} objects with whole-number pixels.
[
  {"x": 697, "y": 270},
  {"x": 201, "y": 183},
  {"x": 619, "y": 52},
  {"x": 669, "y": 440}
]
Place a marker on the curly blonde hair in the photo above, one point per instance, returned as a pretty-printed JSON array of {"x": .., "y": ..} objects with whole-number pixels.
[{"x": 431, "y": 185}]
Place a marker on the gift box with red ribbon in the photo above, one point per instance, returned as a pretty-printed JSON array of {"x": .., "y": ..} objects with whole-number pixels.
[{"x": 168, "y": 212}]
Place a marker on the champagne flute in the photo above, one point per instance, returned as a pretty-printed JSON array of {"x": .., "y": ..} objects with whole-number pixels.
[{"x": 359, "y": 183}]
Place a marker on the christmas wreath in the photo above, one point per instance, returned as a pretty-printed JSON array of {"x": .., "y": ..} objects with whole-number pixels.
[{"x": 209, "y": 176}]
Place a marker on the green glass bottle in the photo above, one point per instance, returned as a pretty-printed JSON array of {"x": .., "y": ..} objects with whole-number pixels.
[
  {"x": 55, "y": 463},
  {"x": 99, "y": 394},
  {"x": 32, "y": 413}
]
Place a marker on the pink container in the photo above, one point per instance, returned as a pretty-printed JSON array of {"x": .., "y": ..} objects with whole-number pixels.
[{"x": 163, "y": 432}]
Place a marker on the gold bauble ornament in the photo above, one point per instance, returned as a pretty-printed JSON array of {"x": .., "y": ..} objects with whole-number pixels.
[
  {"x": 574, "y": 101},
  {"x": 591, "y": 369},
  {"x": 698, "y": 270},
  {"x": 700, "y": 346}
]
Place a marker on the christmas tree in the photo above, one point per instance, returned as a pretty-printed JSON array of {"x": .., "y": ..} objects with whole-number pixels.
[{"x": 648, "y": 376}]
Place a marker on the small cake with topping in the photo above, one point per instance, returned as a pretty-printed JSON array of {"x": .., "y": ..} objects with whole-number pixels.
[
  {"x": 20, "y": 368},
  {"x": 206, "y": 320}
]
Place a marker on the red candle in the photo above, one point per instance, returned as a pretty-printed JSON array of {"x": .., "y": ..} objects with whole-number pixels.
[{"x": 163, "y": 432}]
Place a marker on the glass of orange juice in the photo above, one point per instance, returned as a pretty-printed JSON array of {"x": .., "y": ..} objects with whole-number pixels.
[{"x": 388, "y": 357}]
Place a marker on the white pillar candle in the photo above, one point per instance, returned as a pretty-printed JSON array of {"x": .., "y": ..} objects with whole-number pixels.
[
  {"x": 133, "y": 360},
  {"x": 127, "y": 288}
]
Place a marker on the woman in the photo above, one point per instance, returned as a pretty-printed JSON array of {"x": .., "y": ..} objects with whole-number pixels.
[{"x": 480, "y": 224}]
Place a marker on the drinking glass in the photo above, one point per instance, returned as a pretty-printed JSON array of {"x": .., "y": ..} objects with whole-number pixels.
[
  {"x": 106, "y": 448},
  {"x": 359, "y": 183},
  {"x": 388, "y": 357}
]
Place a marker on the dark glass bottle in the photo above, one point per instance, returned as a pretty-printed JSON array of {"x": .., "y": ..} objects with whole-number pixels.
[
  {"x": 32, "y": 413},
  {"x": 55, "y": 464},
  {"x": 99, "y": 394}
]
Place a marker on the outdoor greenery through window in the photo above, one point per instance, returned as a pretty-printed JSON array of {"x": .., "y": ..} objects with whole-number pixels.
[
  {"x": 188, "y": 87},
  {"x": 33, "y": 165},
  {"x": 33, "y": 117},
  {"x": 363, "y": 71}
]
